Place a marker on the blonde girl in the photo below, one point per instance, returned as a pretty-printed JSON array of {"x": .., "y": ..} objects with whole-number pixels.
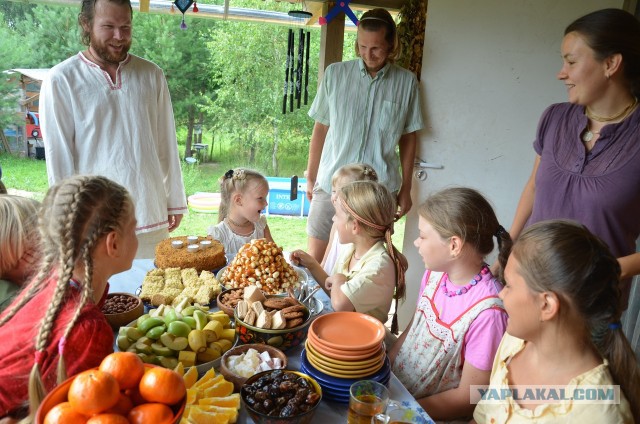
[
  {"x": 369, "y": 273},
  {"x": 19, "y": 241},
  {"x": 343, "y": 176},
  {"x": 87, "y": 227},
  {"x": 243, "y": 195},
  {"x": 563, "y": 297},
  {"x": 459, "y": 320}
]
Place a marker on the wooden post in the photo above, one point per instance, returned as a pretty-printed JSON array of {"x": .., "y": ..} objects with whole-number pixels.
[{"x": 331, "y": 40}]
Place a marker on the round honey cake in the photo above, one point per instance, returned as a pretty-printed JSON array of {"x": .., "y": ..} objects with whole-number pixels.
[{"x": 205, "y": 258}]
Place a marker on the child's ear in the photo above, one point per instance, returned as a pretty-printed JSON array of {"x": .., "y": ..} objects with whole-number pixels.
[
  {"x": 549, "y": 305},
  {"x": 112, "y": 244},
  {"x": 237, "y": 199},
  {"x": 455, "y": 246}
]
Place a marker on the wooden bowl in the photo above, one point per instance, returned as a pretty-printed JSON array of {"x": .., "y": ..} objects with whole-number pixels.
[
  {"x": 59, "y": 395},
  {"x": 117, "y": 320},
  {"x": 239, "y": 380},
  {"x": 223, "y": 306},
  {"x": 262, "y": 418}
]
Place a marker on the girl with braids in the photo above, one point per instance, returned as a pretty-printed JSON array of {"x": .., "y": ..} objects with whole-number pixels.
[
  {"x": 243, "y": 198},
  {"x": 369, "y": 273},
  {"x": 87, "y": 229},
  {"x": 563, "y": 296},
  {"x": 459, "y": 320}
]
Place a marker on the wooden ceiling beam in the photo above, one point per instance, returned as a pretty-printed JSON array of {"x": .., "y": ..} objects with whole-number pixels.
[{"x": 390, "y": 5}]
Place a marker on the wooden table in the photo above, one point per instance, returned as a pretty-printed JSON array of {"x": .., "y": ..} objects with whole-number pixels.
[{"x": 328, "y": 412}]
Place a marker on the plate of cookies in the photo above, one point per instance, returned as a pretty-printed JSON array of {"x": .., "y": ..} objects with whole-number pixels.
[{"x": 281, "y": 322}]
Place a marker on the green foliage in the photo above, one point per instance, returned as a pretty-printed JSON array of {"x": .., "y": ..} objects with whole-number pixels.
[{"x": 24, "y": 174}]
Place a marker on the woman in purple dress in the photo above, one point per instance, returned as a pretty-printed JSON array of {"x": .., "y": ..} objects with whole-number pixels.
[{"x": 587, "y": 166}]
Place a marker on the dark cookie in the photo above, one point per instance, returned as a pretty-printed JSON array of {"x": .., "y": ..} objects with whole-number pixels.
[
  {"x": 294, "y": 322},
  {"x": 293, "y": 315},
  {"x": 296, "y": 308}
]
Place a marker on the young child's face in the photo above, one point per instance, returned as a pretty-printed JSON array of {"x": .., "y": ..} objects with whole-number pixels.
[
  {"x": 129, "y": 238},
  {"x": 340, "y": 182},
  {"x": 434, "y": 250},
  {"x": 519, "y": 302},
  {"x": 254, "y": 200},
  {"x": 343, "y": 224}
]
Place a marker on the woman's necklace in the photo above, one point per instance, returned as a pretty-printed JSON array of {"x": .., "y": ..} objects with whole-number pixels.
[
  {"x": 587, "y": 135},
  {"x": 462, "y": 290},
  {"x": 235, "y": 224},
  {"x": 620, "y": 115}
]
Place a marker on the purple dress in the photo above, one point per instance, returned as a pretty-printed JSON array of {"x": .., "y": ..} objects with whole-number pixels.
[{"x": 600, "y": 188}]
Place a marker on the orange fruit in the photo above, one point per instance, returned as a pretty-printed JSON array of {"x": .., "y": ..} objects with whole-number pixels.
[
  {"x": 93, "y": 391},
  {"x": 123, "y": 406},
  {"x": 162, "y": 385},
  {"x": 126, "y": 367},
  {"x": 108, "y": 419},
  {"x": 64, "y": 413},
  {"x": 156, "y": 413},
  {"x": 135, "y": 396}
]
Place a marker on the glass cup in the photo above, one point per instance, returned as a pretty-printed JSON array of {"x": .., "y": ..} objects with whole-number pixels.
[
  {"x": 396, "y": 416},
  {"x": 367, "y": 398}
]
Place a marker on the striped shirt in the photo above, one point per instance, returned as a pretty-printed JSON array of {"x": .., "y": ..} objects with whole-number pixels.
[{"x": 366, "y": 117}]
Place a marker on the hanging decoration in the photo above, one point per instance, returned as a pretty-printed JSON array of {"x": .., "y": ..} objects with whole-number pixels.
[
  {"x": 295, "y": 71},
  {"x": 340, "y": 6},
  {"x": 183, "y": 6}
]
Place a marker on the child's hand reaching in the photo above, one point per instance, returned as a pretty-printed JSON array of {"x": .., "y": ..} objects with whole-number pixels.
[{"x": 302, "y": 258}]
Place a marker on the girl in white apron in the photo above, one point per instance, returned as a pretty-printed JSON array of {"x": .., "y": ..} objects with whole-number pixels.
[{"x": 459, "y": 320}]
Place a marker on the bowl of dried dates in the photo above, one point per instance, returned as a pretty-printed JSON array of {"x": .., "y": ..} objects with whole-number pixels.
[
  {"x": 281, "y": 396},
  {"x": 122, "y": 308}
]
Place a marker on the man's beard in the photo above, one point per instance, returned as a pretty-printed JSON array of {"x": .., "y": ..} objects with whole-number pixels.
[{"x": 104, "y": 54}]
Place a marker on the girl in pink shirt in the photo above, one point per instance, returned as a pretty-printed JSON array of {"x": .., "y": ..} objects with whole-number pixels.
[{"x": 459, "y": 321}]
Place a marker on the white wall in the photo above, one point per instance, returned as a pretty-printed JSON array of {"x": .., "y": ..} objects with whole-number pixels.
[{"x": 489, "y": 70}]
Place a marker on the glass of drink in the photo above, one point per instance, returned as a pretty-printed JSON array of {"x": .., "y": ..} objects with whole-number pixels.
[
  {"x": 367, "y": 399},
  {"x": 396, "y": 416}
]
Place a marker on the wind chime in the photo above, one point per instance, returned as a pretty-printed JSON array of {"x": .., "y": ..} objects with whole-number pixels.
[
  {"x": 183, "y": 6},
  {"x": 295, "y": 72}
]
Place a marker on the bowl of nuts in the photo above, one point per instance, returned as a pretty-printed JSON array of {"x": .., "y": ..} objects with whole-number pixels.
[
  {"x": 280, "y": 322},
  {"x": 228, "y": 299},
  {"x": 292, "y": 397},
  {"x": 122, "y": 308}
]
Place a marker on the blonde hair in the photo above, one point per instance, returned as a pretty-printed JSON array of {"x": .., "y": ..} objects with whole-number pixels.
[
  {"x": 76, "y": 213},
  {"x": 465, "y": 213},
  {"x": 374, "y": 207},
  {"x": 376, "y": 19},
  {"x": 354, "y": 172},
  {"x": 236, "y": 181},
  {"x": 18, "y": 232},
  {"x": 563, "y": 257}
]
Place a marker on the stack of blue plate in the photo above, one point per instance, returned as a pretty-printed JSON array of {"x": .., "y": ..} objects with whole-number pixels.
[{"x": 337, "y": 389}]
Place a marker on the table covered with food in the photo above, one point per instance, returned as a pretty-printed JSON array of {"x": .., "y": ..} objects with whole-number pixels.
[{"x": 247, "y": 320}]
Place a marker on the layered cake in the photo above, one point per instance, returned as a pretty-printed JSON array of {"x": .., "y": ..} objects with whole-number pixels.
[{"x": 180, "y": 252}]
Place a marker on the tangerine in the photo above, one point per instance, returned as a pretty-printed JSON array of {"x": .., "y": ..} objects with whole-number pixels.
[
  {"x": 126, "y": 367},
  {"x": 162, "y": 385},
  {"x": 108, "y": 419},
  {"x": 157, "y": 413},
  {"x": 64, "y": 413},
  {"x": 93, "y": 391},
  {"x": 124, "y": 405}
]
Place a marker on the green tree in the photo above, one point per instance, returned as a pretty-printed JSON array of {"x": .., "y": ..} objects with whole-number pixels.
[
  {"x": 185, "y": 58},
  {"x": 248, "y": 64}
]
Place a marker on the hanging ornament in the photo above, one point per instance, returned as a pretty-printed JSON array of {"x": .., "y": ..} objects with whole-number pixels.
[
  {"x": 340, "y": 6},
  {"x": 195, "y": 7},
  {"x": 183, "y": 6}
]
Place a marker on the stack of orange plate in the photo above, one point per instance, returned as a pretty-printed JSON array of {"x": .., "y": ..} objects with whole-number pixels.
[
  {"x": 343, "y": 347},
  {"x": 346, "y": 344}
]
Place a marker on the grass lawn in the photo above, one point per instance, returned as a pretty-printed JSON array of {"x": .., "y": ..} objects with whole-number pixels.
[{"x": 30, "y": 176}]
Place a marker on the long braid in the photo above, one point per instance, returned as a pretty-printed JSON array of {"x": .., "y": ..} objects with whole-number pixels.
[
  {"x": 86, "y": 293},
  {"x": 66, "y": 255}
]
